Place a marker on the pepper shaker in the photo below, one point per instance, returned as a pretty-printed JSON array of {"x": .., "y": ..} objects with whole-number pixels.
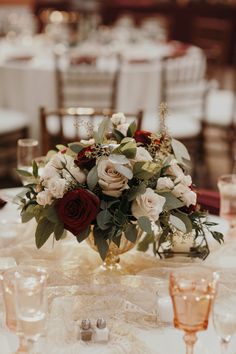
[
  {"x": 101, "y": 331},
  {"x": 86, "y": 331}
]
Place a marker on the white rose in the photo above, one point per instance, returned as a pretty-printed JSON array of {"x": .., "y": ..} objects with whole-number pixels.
[
  {"x": 78, "y": 174},
  {"x": 59, "y": 160},
  {"x": 187, "y": 195},
  {"x": 189, "y": 198},
  {"x": 142, "y": 154},
  {"x": 123, "y": 128},
  {"x": 118, "y": 118},
  {"x": 175, "y": 170},
  {"x": 44, "y": 198},
  {"x": 57, "y": 187},
  {"x": 165, "y": 183},
  {"x": 48, "y": 172},
  {"x": 187, "y": 180},
  {"x": 148, "y": 204},
  {"x": 87, "y": 142},
  {"x": 111, "y": 181},
  {"x": 180, "y": 189}
]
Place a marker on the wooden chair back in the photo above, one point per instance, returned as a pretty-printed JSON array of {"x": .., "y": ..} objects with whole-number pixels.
[{"x": 66, "y": 125}]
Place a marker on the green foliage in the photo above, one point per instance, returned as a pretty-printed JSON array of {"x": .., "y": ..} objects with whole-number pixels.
[
  {"x": 92, "y": 178},
  {"x": 76, "y": 147},
  {"x": 132, "y": 129},
  {"x": 44, "y": 229}
]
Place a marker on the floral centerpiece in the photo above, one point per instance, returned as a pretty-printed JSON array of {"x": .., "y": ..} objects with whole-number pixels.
[{"x": 113, "y": 187}]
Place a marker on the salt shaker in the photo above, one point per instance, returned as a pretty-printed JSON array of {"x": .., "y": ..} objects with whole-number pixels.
[
  {"x": 86, "y": 331},
  {"x": 101, "y": 331}
]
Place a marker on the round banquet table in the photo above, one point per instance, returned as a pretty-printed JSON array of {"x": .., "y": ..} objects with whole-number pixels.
[
  {"x": 27, "y": 76},
  {"x": 128, "y": 302}
]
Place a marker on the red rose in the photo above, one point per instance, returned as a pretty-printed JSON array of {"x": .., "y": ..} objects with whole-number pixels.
[
  {"x": 77, "y": 209},
  {"x": 142, "y": 136},
  {"x": 84, "y": 161}
]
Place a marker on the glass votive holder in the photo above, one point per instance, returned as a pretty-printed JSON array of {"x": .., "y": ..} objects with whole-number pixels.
[{"x": 164, "y": 309}]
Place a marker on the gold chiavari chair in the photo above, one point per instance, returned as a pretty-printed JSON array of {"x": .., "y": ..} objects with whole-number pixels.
[
  {"x": 13, "y": 126},
  {"x": 66, "y": 125},
  {"x": 184, "y": 88},
  {"x": 81, "y": 84}
]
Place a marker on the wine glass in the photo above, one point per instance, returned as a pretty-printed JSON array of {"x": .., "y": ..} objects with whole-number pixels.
[
  {"x": 227, "y": 189},
  {"x": 192, "y": 292},
  {"x": 31, "y": 304},
  {"x": 224, "y": 316},
  {"x": 27, "y": 151}
]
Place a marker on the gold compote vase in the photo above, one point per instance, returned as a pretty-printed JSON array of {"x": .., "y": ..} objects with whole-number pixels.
[{"x": 111, "y": 263}]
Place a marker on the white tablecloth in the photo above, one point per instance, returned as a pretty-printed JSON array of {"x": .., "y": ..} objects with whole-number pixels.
[{"x": 26, "y": 85}]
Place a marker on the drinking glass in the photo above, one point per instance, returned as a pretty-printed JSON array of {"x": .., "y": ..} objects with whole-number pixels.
[
  {"x": 9, "y": 289},
  {"x": 224, "y": 316},
  {"x": 27, "y": 151},
  {"x": 31, "y": 304},
  {"x": 192, "y": 292},
  {"x": 227, "y": 189}
]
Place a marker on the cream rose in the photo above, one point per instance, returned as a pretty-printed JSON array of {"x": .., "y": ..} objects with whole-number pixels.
[
  {"x": 118, "y": 118},
  {"x": 44, "y": 198},
  {"x": 111, "y": 181},
  {"x": 47, "y": 173},
  {"x": 56, "y": 187},
  {"x": 165, "y": 183},
  {"x": 149, "y": 204},
  {"x": 185, "y": 194}
]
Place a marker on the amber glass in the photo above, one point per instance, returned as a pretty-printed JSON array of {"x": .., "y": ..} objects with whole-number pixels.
[{"x": 192, "y": 292}]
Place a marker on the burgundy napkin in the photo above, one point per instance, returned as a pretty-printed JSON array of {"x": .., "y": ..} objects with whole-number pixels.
[
  {"x": 209, "y": 200},
  {"x": 2, "y": 203}
]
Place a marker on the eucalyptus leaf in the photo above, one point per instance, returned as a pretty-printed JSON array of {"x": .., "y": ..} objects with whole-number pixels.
[
  {"x": 104, "y": 219},
  {"x": 51, "y": 214},
  {"x": 76, "y": 147},
  {"x": 171, "y": 202},
  {"x": 129, "y": 150},
  {"x": 180, "y": 151},
  {"x": 44, "y": 229},
  {"x": 131, "y": 233},
  {"x": 35, "y": 169},
  {"x": 118, "y": 135},
  {"x": 218, "y": 236},
  {"x": 145, "y": 224},
  {"x": 58, "y": 231},
  {"x": 181, "y": 221},
  {"x": 135, "y": 191},
  {"x": 83, "y": 234},
  {"x": 124, "y": 171},
  {"x": 143, "y": 245},
  {"x": 26, "y": 216},
  {"x": 132, "y": 129},
  {"x": 118, "y": 159},
  {"x": 100, "y": 242},
  {"x": 99, "y": 136},
  {"x": 61, "y": 147},
  {"x": 92, "y": 178},
  {"x": 24, "y": 173}
]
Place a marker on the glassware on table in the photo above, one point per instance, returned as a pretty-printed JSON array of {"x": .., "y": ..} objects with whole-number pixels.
[
  {"x": 192, "y": 292},
  {"x": 31, "y": 303},
  {"x": 27, "y": 151},
  {"x": 224, "y": 316},
  {"x": 227, "y": 189},
  {"x": 8, "y": 285}
]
